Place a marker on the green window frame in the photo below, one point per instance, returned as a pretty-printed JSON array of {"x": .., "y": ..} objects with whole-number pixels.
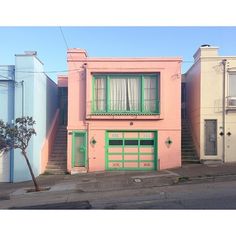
[{"x": 142, "y": 108}]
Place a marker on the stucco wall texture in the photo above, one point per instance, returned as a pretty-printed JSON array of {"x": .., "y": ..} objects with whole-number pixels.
[
  {"x": 30, "y": 93},
  {"x": 80, "y": 117},
  {"x": 205, "y": 96}
]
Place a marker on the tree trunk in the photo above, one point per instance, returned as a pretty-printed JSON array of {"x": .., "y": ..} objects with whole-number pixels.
[{"x": 31, "y": 172}]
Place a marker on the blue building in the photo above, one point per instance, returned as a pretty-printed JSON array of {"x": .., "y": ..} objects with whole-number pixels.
[{"x": 25, "y": 90}]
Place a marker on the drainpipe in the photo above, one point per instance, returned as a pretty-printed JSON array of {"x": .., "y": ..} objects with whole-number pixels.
[
  {"x": 223, "y": 110},
  {"x": 22, "y": 84},
  {"x": 12, "y": 152}
]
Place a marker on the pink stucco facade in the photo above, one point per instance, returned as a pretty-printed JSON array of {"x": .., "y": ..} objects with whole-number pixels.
[{"x": 166, "y": 124}]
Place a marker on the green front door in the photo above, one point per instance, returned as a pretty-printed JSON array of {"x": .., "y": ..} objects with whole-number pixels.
[{"x": 79, "y": 149}]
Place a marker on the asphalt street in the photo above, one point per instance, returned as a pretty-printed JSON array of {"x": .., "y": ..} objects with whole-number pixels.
[{"x": 211, "y": 195}]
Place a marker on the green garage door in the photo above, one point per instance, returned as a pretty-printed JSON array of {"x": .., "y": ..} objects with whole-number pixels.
[{"x": 131, "y": 150}]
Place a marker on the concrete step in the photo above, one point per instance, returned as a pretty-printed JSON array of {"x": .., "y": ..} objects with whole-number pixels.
[
  {"x": 61, "y": 141},
  {"x": 63, "y": 133},
  {"x": 187, "y": 149},
  {"x": 59, "y": 152},
  {"x": 188, "y": 152},
  {"x": 61, "y": 136},
  {"x": 56, "y": 166},
  {"x": 60, "y": 144},
  {"x": 58, "y": 157},
  {"x": 189, "y": 156},
  {"x": 57, "y": 163},
  {"x": 212, "y": 162},
  {"x": 187, "y": 161},
  {"x": 55, "y": 171}
]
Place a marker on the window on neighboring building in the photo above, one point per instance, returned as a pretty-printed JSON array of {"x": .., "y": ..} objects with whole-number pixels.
[
  {"x": 119, "y": 93},
  {"x": 232, "y": 84}
]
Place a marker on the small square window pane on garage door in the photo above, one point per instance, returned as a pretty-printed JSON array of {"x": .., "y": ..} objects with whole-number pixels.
[
  {"x": 147, "y": 142},
  {"x": 131, "y": 150},
  {"x": 132, "y": 142},
  {"x": 115, "y": 142}
]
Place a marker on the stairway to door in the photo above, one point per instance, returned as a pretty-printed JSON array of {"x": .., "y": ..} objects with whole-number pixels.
[
  {"x": 189, "y": 154},
  {"x": 57, "y": 163}
]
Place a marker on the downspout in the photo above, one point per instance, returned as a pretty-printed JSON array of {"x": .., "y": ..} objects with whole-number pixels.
[
  {"x": 88, "y": 146},
  {"x": 12, "y": 150},
  {"x": 22, "y": 84},
  {"x": 223, "y": 110}
]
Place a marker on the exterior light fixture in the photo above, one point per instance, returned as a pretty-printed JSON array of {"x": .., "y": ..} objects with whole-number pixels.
[
  {"x": 168, "y": 142},
  {"x": 93, "y": 141}
]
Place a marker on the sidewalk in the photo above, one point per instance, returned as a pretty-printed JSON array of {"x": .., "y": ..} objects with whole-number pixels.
[{"x": 77, "y": 190}]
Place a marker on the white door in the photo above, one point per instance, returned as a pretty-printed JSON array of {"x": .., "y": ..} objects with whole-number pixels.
[{"x": 4, "y": 167}]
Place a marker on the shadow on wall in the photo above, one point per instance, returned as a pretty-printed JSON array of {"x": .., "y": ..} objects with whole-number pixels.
[
  {"x": 51, "y": 102},
  {"x": 63, "y": 104}
]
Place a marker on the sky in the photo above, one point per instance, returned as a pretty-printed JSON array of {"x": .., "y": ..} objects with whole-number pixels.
[{"x": 113, "y": 42}]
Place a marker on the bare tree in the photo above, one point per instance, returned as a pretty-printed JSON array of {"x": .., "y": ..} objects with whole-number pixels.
[{"x": 18, "y": 136}]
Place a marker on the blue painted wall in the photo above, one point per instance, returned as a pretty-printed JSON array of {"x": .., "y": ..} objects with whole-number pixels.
[{"x": 40, "y": 102}]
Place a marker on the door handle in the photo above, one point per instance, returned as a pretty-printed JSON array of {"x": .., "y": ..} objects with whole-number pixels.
[{"x": 229, "y": 133}]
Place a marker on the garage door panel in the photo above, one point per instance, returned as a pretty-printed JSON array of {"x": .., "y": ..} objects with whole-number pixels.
[
  {"x": 146, "y": 150},
  {"x": 146, "y": 135},
  {"x": 115, "y": 157},
  {"x": 130, "y": 157},
  {"x": 131, "y": 135},
  {"x": 115, "y": 135},
  {"x": 115, "y": 165},
  {"x": 115, "y": 150},
  {"x": 130, "y": 164},
  {"x": 146, "y": 157},
  {"x": 130, "y": 149},
  {"x": 146, "y": 165}
]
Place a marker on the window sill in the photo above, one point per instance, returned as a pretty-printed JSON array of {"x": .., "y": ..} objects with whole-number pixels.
[{"x": 124, "y": 116}]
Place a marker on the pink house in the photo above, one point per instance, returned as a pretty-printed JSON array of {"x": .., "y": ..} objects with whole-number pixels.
[{"x": 123, "y": 113}]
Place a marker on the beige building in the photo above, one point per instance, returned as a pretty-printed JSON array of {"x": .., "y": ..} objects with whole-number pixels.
[{"x": 211, "y": 104}]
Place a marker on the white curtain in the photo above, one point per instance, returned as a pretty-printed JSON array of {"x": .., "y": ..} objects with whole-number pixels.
[
  {"x": 134, "y": 94},
  {"x": 125, "y": 93},
  {"x": 150, "y": 94},
  {"x": 118, "y": 94},
  {"x": 100, "y": 94}
]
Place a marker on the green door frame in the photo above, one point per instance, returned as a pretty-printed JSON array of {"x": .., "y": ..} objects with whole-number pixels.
[
  {"x": 74, "y": 133},
  {"x": 155, "y": 149}
]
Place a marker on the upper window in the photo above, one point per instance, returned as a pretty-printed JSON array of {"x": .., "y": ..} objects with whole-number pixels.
[
  {"x": 126, "y": 93},
  {"x": 232, "y": 84}
]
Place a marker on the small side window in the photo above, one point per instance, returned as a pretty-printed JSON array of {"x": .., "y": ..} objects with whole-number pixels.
[
  {"x": 147, "y": 142},
  {"x": 131, "y": 142},
  {"x": 115, "y": 142}
]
